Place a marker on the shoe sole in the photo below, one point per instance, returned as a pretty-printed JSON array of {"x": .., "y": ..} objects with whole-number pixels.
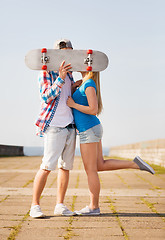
[
  {"x": 42, "y": 216},
  {"x": 87, "y": 214},
  {"x": 145, "y": 164},
  {"x": 67, "y": 215}
]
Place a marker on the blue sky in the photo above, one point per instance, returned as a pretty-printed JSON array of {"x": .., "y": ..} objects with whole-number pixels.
[{"x": 130, "y": 32}]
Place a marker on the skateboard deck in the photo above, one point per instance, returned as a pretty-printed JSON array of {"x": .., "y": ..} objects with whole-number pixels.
[{"x": 81, "y": 60}]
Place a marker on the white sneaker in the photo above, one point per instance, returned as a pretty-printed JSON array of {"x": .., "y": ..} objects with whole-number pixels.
[
  {"x": 35, "y": 212},
  {"x": 61, "y": 209},
  {"x": 87, "y": 211}
]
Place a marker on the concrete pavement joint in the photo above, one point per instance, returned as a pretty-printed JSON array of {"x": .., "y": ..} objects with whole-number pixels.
[
  {"x": 152, "y": 207},
  {"x": 28, "y": 182},
  {"x": 17, "y": 228},
  {"x": 35, "y": 170},
  {"x": 117, "y": 217},
  {"x": 123, "y": 181},
  {"x": 112, "y": 207},
  {"x": 145, "y": 180},
  {"x": 85, "y": 192},
  {"x": 69, "y": 229},
  {"x": 17, "y": 171},
  {"x": 54, "y": 180},
  {"x": 4, "y": 198},
  {"x": 144, "y": 218}
]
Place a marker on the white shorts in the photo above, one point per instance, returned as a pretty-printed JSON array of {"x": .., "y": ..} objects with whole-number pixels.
[{"x": 59, "y": 146}]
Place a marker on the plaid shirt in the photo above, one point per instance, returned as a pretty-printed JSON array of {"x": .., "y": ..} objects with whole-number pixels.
[{"x": 50, "y": 90}]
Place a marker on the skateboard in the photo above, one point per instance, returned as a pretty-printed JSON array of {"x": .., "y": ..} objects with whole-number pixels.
[{"x": 81, "y": 60}]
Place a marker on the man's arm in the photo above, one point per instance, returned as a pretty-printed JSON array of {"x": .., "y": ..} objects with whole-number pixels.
[
  {"x": 50, "y": 91},
  {"x": 75, "y": 85}
]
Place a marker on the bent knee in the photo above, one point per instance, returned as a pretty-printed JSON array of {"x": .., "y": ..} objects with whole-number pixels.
[
  {"x": 100, "y": 165},
  {"x": 100, "y": 168}
]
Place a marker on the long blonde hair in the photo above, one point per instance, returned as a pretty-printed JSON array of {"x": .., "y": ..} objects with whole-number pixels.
[{"x": 95, "y": 76}]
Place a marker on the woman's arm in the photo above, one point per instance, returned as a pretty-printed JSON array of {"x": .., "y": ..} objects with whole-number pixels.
[{"x": 92, "y": 102}]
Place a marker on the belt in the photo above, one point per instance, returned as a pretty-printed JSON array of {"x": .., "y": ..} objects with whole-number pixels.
[{"x": 71, "y": 125}]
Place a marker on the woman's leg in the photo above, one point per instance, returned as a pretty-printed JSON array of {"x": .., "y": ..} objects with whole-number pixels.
[
  {"x": 89, "y": 157},
  {"x": 112, "y": 164}
]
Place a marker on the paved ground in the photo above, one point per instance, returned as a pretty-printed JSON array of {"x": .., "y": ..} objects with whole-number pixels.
[{"x": 132, "y": 204}]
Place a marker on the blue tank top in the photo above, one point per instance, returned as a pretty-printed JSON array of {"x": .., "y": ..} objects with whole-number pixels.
[{"x": 84, "y": 121}]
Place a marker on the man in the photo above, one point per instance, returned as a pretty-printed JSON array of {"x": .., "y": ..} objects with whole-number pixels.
[{"x": 56, "y": 123}]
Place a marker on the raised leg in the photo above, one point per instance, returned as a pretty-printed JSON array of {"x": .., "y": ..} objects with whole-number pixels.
[{"x": 112, "y": 164}]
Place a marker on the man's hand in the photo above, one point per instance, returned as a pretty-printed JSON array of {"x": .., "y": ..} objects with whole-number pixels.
[
  {"x": 77, "y": 83},
  {"x": 63, "y": 70}
]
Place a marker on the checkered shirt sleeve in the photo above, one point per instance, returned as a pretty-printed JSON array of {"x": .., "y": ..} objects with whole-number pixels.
[{"x": 49, "y": 90}]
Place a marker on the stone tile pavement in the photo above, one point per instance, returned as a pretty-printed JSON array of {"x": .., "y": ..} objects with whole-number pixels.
[{"x": 132, "y": 204}]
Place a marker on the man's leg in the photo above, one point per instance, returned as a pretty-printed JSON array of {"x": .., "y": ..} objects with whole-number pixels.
[
  {"x": 62, "y": 184},
  {"x": 65, "y": 164},
  {"x": 38, "y": 186}
]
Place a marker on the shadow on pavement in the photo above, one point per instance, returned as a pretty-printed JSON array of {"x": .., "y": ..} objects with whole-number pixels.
[{"x": 114, "y": 215}]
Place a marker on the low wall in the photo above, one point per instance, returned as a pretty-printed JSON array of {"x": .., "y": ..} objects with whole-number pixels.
[
  {"x": 152, "y": 151},
  {"x": 8, "y": 150}
]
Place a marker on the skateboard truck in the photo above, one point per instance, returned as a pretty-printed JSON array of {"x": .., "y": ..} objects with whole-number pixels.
[
  {"x": 89, "y": 60},
  {"x": 44, "y": 58}
]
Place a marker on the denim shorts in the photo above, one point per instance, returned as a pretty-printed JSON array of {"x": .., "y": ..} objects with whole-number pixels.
[
  {"x": 93, "y": 134},
  {"x": 59, "y": 148}
]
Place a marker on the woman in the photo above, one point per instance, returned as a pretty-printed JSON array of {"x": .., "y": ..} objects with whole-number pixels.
[{"x": 86, "y": 103}]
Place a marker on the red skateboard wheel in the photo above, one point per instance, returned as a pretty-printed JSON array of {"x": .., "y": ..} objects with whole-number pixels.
[
  {"x": 43, "y": 50},
  {"x": 89, "y": 51},
  {"x": 44, "y": 67},
  {"x": 89, "y": 68}
]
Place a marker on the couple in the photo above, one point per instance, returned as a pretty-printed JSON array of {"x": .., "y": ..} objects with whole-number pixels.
[{"x": 57, "y": 123}]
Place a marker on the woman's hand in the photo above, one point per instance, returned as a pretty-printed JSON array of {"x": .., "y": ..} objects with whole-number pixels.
[
  {"x": 92, "y": 107},
  {"x": 63, "y": 70},
  {"x": 70, "y": 102}
]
